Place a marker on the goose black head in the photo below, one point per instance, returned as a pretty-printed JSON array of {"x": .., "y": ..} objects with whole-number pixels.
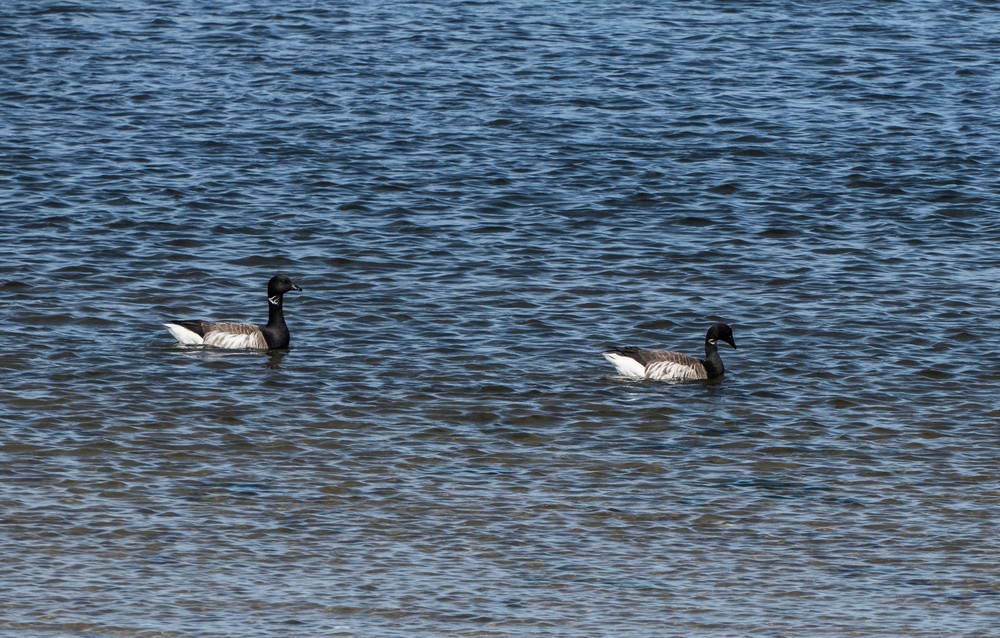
[
  {"x": 721, "y": 331},
  {"x": 279, "y": 285}
]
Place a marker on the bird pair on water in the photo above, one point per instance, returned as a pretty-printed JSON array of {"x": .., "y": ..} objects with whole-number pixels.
[{"x": 638, "y": 363}]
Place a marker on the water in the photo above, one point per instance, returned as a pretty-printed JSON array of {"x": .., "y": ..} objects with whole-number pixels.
[{"x": 477, "y": 198}]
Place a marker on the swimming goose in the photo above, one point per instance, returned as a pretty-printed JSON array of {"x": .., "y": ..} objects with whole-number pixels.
[
  {"x": 673, "y": 366},
  {"x": 233, "y": 335}
]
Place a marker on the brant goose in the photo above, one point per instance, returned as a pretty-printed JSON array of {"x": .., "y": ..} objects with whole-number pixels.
[
  {"x": 673, "y": 366},
  {"x": 233, "y": 335}
]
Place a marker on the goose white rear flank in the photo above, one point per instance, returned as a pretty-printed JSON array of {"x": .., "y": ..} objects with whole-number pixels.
[
  {"x": 665, "y": 365},
  {"x": 626, "y": 366},
  {"x": 233, "y": 335},
  {"x": 184, "y": 335}
]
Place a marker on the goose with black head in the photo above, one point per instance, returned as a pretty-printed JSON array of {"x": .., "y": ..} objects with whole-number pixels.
[
  {"x": 238, "y": 336},
  {"x": 666, "y": 365}
]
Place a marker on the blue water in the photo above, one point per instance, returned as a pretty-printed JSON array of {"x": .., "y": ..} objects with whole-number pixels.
[{"x": 477, "y": 198}]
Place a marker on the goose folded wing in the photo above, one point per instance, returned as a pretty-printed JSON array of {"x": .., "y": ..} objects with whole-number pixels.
[
  {"x": 234, "y": 335},
  {"x": 665, "y": 364}
]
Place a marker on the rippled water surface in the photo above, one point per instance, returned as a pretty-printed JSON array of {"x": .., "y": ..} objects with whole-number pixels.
[{"x": 477, "y": 198}]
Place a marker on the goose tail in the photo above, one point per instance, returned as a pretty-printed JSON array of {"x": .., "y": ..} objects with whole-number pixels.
[
  {"x": 184, "y": 335},
  {"x": 625, "y": 365}
]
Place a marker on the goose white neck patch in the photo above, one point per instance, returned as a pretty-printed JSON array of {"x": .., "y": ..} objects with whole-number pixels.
[{"x": 275, "y": 300}]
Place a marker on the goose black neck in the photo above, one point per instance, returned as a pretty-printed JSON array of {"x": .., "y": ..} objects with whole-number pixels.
[
  {"x": 712, "y": 361},
  {"x": 276, "y": 332},
  {"x": 275, "y": 309}
]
